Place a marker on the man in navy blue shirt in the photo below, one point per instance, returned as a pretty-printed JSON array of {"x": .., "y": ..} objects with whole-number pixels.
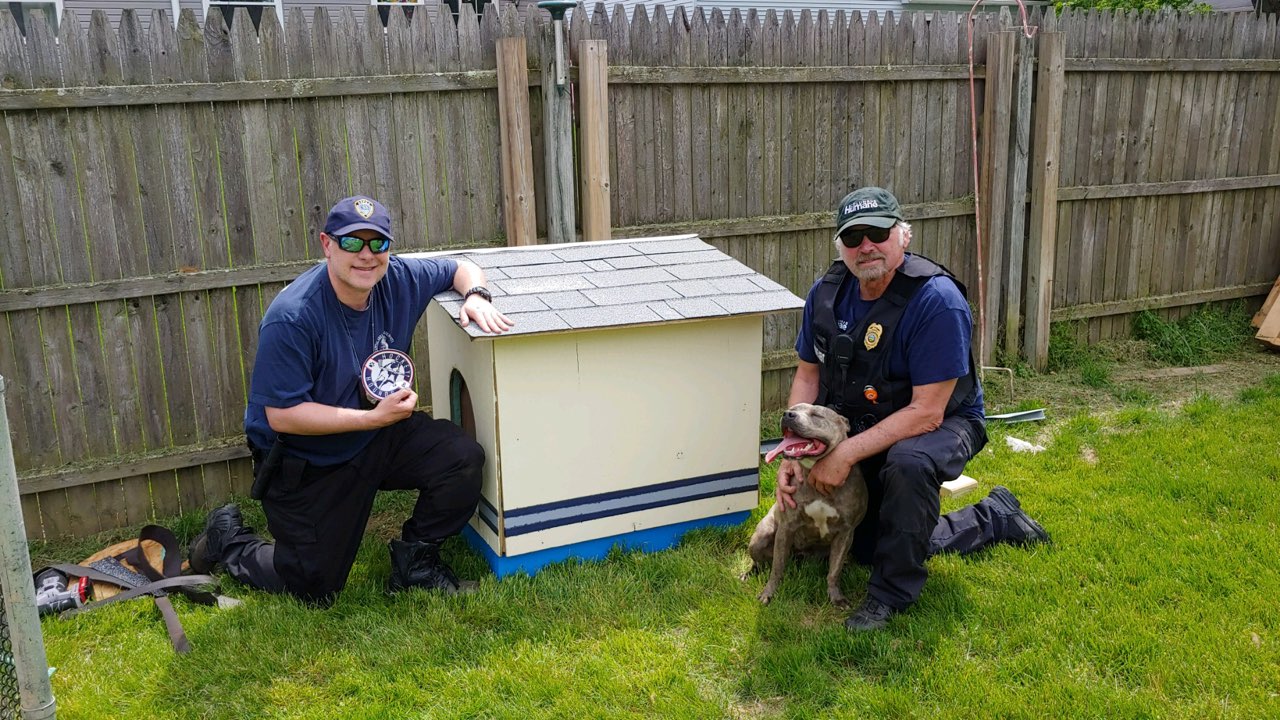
[
  {"x": 324, "y": 441},
  {"x": 885, "y": 340}
]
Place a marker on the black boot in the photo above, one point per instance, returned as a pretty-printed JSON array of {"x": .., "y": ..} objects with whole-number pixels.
[
  {"x": 418, "y": 565},
  {"x": 206, "y": 549},
  {"x": 1013, "y": 525},
  {"x": 870, "y": 615}
]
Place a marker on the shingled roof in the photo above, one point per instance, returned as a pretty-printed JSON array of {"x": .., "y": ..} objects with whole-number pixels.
[{"x": 615, "y": 283}]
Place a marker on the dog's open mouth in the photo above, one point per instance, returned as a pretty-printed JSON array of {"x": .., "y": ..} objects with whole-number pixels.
[{"x": 794, "y": 447}]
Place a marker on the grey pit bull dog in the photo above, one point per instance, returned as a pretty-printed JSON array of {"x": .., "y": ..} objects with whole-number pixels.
[{"x": 817, "y": 521}]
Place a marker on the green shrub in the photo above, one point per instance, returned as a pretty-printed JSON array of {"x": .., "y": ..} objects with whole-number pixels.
[
  {"x": 1208, "y": 333},
  {"x": 1191, "y": 6}
]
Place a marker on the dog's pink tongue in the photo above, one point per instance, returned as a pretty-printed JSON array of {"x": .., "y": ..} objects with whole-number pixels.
[{"x": 789, "y": 441}]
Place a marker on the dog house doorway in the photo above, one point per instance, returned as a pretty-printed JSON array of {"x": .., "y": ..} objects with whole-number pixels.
[{"x": 460, "y": 411}]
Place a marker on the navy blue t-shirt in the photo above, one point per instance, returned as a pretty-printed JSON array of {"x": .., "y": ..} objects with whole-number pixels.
[
  {"x": 930, "y": 344},
  {"x": 311, "y": 346}
]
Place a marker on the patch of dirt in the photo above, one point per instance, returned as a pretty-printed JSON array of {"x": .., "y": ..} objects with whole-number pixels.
[{"x": 761, "y": 708}]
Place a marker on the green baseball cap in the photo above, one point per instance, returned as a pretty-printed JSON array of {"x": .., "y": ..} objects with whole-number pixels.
[{"x": 872, "y": 206}]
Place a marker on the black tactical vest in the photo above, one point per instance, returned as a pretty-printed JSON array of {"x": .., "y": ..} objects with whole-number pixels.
[{"x": 853, "y": 367}]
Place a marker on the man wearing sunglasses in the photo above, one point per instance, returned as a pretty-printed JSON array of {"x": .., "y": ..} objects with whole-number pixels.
[
  {"x": 885, "y": 340},
  {"x": 323, "y": 444}
]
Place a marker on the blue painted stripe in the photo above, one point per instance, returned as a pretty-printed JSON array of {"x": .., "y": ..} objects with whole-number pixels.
[
  {"x": 650, "y": 540},
  {"x": 632, "y": 492},
  {"x": 488, "y": 514},
  {"x": 649, "y": 501}
]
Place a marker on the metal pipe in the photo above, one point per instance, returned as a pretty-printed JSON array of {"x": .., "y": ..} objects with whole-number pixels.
[
  {"x": 34, "y": 689},
  {"x": 560, "y": 73},
  {"x": 558, "y": 8}
]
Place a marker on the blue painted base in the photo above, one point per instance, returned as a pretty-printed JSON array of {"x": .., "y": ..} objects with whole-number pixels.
[{"x": 651, "y": 540}]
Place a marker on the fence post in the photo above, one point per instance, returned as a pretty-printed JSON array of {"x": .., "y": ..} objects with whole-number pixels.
[
  {"x": 1019, "y": 150},
  {"x": 1044, "y": 197},
  {"x": 593, "y": 82},
  {"x": 557, "y": 122},
  {"x": 518, "y": 208},
  {"x": 996, "y": 111},
  {"x": 19, "y": 609}
]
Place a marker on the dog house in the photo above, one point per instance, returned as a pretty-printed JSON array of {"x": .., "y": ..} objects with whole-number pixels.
[{"x": 623, "y": 407}]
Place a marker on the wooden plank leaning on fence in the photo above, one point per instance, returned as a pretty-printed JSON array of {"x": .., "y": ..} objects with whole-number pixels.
[
  {"x": 594, "y": 79},
  {"x": 1047, "y": 133},
  {"x": 1267, "y": 305},
  {"x": 517, "y": 148},
  {"x": 1268, "y": 318}
]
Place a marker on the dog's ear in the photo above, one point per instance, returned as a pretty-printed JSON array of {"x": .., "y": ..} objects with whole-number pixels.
[{"x": 843, "y": 422}]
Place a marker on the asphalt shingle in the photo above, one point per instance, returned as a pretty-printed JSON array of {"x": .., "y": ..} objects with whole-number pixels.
[
  {"x": 590, "y": 285},
  {"x": 631, "y": 277},
  {"x": 693, "y": 288},
  {"x": 734, "y": 285},
  {"x": 566, "y": 268},
  {"x": 566, "y": 300},
  {"x": 724, "y": 268},
  {"x": 759, "y": 302},
  {"x": 627, "y": 263},
  {"x": 609, "y": 316},
  {"x": 665, "y": 311},
  {"x": 696, "y": 307},
  {"x": 592, "y": 251},
  {"x": 628, "y": 294},
  {"x": 657, "y": 247},
  {"x": 685, "y": 258},
  {"x": 525, "y": 324},
  {"x": 552, "y": 283}
]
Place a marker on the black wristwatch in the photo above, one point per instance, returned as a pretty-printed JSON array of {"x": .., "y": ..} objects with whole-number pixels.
[{"x": 480, "y": 290}]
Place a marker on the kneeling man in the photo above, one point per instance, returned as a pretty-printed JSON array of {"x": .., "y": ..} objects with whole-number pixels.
[{"x": 885, "y": 340}]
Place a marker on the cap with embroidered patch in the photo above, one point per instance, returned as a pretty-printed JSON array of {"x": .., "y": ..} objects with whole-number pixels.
[
  {"x": 872, "y": 206},
  {"x": 358, "y": 213}
]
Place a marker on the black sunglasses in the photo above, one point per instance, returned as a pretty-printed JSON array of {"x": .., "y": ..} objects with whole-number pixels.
[
  {"x": 852, "y": 237},
  {"x": 353, "y": 244}
]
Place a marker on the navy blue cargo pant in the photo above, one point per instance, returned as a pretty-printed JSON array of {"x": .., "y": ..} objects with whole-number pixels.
[
  {"x": 902, "y": 527},
  {"x": 317, "y": 515}
]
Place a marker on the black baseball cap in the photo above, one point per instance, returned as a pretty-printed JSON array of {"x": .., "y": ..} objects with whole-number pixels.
[
  {"x": 358, "y": 213},
  {"x": 871, "y": 206}
]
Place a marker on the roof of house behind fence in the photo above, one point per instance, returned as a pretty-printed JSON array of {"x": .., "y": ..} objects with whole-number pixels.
[{"x": 579, "y": 286}]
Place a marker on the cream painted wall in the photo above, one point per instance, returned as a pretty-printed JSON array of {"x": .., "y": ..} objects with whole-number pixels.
[
  {"x": 596, "y": 411},
  {"x": 451, "y": 348},
  {"x": 564, "y": 416}
]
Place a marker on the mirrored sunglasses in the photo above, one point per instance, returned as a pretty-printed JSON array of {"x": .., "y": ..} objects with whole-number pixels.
[{"x": 353, "y": 244}]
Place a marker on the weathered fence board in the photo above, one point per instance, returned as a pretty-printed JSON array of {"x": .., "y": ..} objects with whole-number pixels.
[{"x": 177, "y": 177}]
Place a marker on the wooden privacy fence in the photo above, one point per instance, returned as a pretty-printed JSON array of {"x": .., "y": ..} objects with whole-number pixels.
[
  {"x": 165, "y": 184},
  {"x": 1155, "y": 172}
]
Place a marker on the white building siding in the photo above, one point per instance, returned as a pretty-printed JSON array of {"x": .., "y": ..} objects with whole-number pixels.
[
  {"x": 760, "y": 6},
  {"x": 114, "y": 8},
  {"x": 831, "y": 6}
]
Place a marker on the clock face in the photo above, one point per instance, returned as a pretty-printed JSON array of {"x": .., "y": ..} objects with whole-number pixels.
[{"x": 385, "y": 372}]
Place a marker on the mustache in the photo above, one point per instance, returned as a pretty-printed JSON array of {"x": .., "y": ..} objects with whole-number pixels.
[{"x": 872, "y": 256}]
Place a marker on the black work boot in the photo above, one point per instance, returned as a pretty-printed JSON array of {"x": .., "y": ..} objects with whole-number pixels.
[
  {"x": 870, "y": 615},
  {"x": 418, "y": 565},
  {"x": 1015, "y": 526},
  {"x": 206, "y": 549}
]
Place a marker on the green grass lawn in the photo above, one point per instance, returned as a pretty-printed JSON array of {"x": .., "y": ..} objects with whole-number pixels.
[{"x": 1160, "y": 598}]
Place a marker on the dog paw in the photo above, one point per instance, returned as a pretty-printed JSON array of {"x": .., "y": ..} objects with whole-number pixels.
[
  {"x": 765, "y": 597},
  {"x": 840, "y": 601}
]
